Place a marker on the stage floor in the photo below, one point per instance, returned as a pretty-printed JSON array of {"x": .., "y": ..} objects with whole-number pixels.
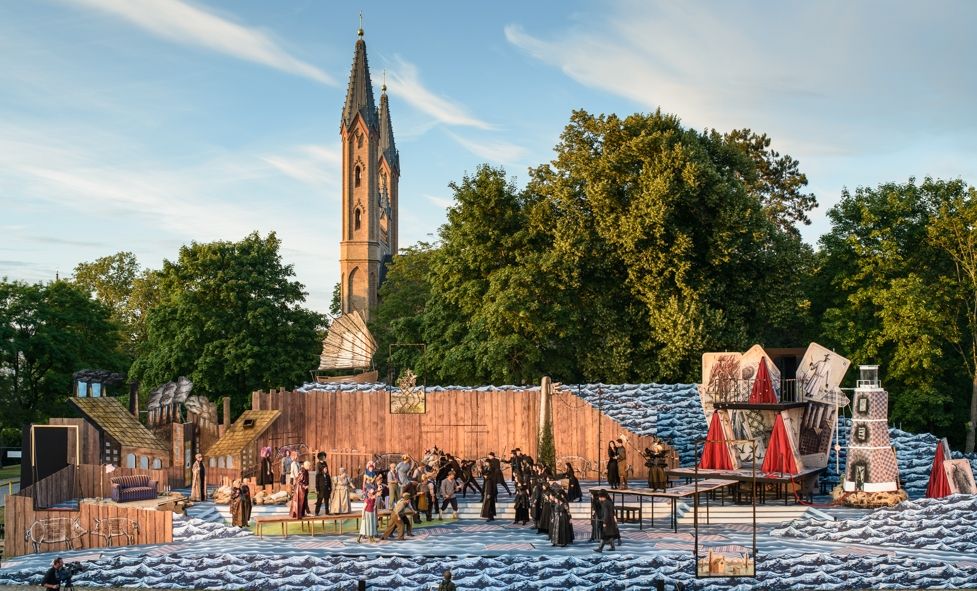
[{"x": 500, "y": 555}]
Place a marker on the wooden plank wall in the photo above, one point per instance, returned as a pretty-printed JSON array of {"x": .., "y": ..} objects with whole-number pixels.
[
  {"x": 155, "y": 527},
  {"x": 579, "y": 429},
  {"x": 90, "y": 478},
  {"x": 87, "y": 435},
  {"x": 56, "y": 488},
  {"x": 467, "y": 423}
]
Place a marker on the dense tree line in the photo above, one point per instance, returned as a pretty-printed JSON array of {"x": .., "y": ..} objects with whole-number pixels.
[
  {"x": 641, "y": 245},
  {"x": 644, "y": 243},
  {"x": 228, "y": 315}
]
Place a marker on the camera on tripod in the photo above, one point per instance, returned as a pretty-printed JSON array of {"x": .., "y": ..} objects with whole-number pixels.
[{"x": 65, "y": 575}]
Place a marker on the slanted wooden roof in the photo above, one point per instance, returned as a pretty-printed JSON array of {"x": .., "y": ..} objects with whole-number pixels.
[
  {"x": 110, "y": 416},
  {"x": 237, "y": 437}
]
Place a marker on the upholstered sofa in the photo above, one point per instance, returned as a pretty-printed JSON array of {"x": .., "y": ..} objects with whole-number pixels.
[{"x": 133, "y": 488}]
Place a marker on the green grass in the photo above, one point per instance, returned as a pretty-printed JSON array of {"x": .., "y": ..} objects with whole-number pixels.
[{"x": 10, "y": 472}]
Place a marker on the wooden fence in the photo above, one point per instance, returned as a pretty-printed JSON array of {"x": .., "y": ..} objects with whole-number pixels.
[
  {"x": 75, "y": 482},
  {"x": 467, "y": 423},
  {"x": 56, "y": 488}
]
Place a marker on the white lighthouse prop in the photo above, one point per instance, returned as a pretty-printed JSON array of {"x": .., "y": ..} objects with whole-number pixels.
[{"x": 871, "y": 466}]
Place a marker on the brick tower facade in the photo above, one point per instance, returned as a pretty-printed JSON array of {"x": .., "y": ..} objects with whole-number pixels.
[{"x": 371, "y": 174}]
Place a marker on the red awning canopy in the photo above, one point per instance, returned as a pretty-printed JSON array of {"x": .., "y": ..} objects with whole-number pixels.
[
  {"x": 938, "y": 485},
  {"x": 762, "y": 391},
  {"x": 716, "y": 455},
  {"x": 780, "y": 456}
]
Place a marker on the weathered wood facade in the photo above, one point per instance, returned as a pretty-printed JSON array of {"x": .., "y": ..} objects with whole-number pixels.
[
  {"x": 468, "y": 423},
  {"x": 27, "y": 506}
]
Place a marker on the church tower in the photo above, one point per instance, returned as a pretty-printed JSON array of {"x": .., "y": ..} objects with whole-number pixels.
[{"x": 371, "y": 172}]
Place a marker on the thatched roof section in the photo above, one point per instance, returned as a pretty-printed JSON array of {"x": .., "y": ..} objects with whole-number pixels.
[
  {"x": 248, "y": 427},
  {"x": 110, "y": 416}
]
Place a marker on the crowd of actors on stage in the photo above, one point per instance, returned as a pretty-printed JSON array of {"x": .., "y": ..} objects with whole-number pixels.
[{"x": 412, "y": 490}]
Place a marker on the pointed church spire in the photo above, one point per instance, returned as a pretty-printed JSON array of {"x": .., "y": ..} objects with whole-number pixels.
[
  {"x": 388, "y": 149},
  {"x": 359, "y": 93}
]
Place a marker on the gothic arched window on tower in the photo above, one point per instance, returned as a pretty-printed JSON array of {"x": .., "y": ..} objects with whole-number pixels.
[
  {"x": 356, "y": 218},
  {"x": 356, "y": 176},
  {"x": 359, "y": 140}
]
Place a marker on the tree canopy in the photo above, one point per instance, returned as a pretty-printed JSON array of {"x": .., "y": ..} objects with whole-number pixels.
[
  {"x": 230, "y": 318},
  {"x": 899, "y": 285},
  {"x": 47, "y": 332},
  {"x": 639, "y": 246}
]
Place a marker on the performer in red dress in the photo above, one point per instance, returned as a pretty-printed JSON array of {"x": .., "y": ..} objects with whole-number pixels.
[{"x": 300, "y": 499}]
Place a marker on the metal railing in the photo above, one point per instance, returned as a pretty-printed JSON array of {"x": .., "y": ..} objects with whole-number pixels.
[{"x": 738, "y": 391}]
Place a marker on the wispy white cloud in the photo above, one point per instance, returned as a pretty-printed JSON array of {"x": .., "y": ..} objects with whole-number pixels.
[
  {"x": 440, "y": 201},
  {"x": 498, "y": 151},
  {"x": 185, "y": 23},
  {"x": 405, "y": 82},
  {"x": 821, "y": 78},
  {"x": 312, "y": 165}
]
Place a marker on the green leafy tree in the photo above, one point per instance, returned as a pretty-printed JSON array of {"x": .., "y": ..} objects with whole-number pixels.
[
  {"x": 639, "y": 246},
  {"x": 118, "y": 282},
  {"x": 400, "y": 317},
  {"x": 336, "y": 303},
  {"x": 954, "y": 231},
  {"x": 230, "y": 319},
  {"x": 892, "y": 294},
  {"x": 776, "y": 179},
  {"x": 47, "y": 332},
  {"x": 665, "y": 234}
]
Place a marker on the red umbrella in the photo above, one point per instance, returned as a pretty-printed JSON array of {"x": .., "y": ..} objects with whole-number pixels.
[
  {"x": 938, "y": 485},
  {"x": 780, "y": 456},
  {"x": 762, "y": 392},
  {"x": 715, "y": 455}
]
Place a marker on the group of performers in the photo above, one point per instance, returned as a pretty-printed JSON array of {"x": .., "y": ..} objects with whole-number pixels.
[{"x": 414, "y": 490}]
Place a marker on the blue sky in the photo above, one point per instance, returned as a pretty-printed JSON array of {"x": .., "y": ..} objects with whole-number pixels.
[{"x": 142, "y": 125}]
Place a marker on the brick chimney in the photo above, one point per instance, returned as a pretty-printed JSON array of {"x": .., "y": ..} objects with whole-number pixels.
[{"x": 134, "y": 399}]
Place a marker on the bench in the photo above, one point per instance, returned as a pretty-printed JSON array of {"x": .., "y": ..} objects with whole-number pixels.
[
  {"x": 338, "y": 519},
  {"x": 627, "y": 513}
]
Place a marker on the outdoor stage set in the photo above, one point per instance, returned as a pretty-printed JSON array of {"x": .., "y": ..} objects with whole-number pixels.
[{"x": 768, "y": 436}]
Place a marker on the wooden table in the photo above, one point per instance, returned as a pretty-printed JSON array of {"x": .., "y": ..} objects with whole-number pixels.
[
  {"x": 745, "y": 476},
  {"x": 673, "y": 494}
]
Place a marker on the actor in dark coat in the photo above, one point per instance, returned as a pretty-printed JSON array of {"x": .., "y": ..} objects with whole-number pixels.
[
  {"x": 561, "y": 532},
  {"x": 573, "y": 485},
  {"x": 546, "y": 513},
  {"x": 265, "y": 475},
  {"x": 323, "y": 483},
  {"x": 488, "y": 503},
  {"x": 493, "y": 472},
  {"x": 608, "y": 523}
]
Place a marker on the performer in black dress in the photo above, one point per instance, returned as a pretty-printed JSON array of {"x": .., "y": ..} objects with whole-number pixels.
[
  {"x": 573, "y": 485},
  {"x": 613, "y": 477},
  {"x": 561, "y": 532},
  {"x": 522, "y": 504},
  {"x": 546, "y": 513}
]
